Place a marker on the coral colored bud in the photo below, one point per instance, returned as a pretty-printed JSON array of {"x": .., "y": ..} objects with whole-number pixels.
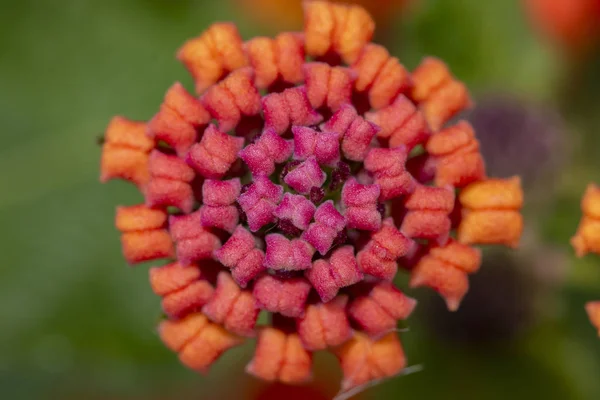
[
  {"x": 217, "y": 208},
  {"x": 328, "y": 276},
  {"x": 306, "y": 176},
  {"x": 388, "y": 166},
  {"x": 587, "y": 238},
  {"x": 241, "y": 255},
  {"x": 143, "y": 233},
  {"x": 491, "y": 212},
  {"x": 364, "y": 360},
  {"x": 445, "y": 270},
  {"x": 194, "y": 243},
  {"x": 325, "y": 325},
  {"x": 169, "y": 183},
  {"x": 215, "y": 153},
  {"x": 593, "y": 311},
  {"x": 428, "y": 208},
  {"x": 379, "y": 257},
  {"x": 280, "y": 357},
  {"x": 213, "y": 54},
  {"x": 328, "y": 86},
  {"x": 125, "y": 151},
  {"x": 355, "y": 132},
  {"x": 199, "y": 342},
  {"x": 380, "y": 75},
  {"x": 325, "y": 146},
  {"x": 379, "y": 310},
  {"x": 260, "y": 201},
  {"x": 278, "y": 59},
  {"x": 270, "y": 148},
  {"x": 187, "y": 106},
  {"x": 182, "y": 288},
  {"x": 328, "y": 224},
  {"x": 459, "y": 255},
  {"x": 285, "y": 296},
  {"x": 343, "y": 29},
  {"x": 401, "y": 123},
  {"x": 458, "y": 160},
  {"x": 290, "y": 107},
  {"x": 179, "y": 117},
  {"x": 232, "y": 98},
  {"x": 232, "y": 307},
  {"x": 360, "y": 203},
  {"x": 296, "y": 209},
  {"x": 287, "y": 255},
  {"x": 437, "y": 92}
]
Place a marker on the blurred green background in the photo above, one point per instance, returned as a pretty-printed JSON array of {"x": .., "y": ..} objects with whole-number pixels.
[{"x": 78, "y": 323}]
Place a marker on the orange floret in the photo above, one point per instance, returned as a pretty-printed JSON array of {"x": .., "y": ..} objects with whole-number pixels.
[
  {"x": 325, "y": 324},
  {"x": 213, "y": 54},
  {"x": 183, "y": 288},
  {"x": 380, "y": 75},
  {"x": 232, "y": 98},
  {"x": 280, "y": 357},
  {"x": 364, "y": 359},
  {"x": 328, "y": 86},
  {"x": 180, "y": 117},
  {"x": 438, "y": 93},
  {"x": 587, "y": 238},
  {"x": 491, "y": 212},
  {"x": 125, "y": 151},
  {"x": 143, "y": 233},
  {"x": 198, "y": 342},
  {"x": 456, "y": 154},
  {"x": 342, "y": 29},
  {"x": 278, "y": 59},
  {"x": 445, "y": 270}
]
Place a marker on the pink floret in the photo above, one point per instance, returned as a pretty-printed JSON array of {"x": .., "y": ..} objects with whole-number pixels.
[
  {"x": 324, "y": 146},
  {"x": 285, "y": 296},
  {"x": 328, "y": 224},
  {"x": 260, "y": 201},
  {"x": 306, "y": 176},
  {"x": 215, "y": 153},
  {"x": 194, "y": 243},
  {"x": 340, "y": 270},
  {"x": 269, "y": 149},
  {"x": 355, "y": 132},
  {"x": 296, "y": 209},
  {"x": 360, "y": 202},
  {"x": 218, "y": 198},
  {"x": 241, "y": 255},
  {"x": 288, "y": 255}
]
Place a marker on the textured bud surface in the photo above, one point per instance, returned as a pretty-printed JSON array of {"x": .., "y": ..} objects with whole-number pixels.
[{"x": 310, "y": 169}]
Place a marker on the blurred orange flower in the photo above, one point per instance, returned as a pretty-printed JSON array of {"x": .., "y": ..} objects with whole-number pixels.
[{"x": 574, "y": 24}]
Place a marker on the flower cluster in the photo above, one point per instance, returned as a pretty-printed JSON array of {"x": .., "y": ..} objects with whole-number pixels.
[
  {"x": 310, "y": 169},
  {"x": 587, "y": 239}
]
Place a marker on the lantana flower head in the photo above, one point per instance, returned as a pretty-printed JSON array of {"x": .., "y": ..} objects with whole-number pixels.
[{"x": 303, "y": 174}]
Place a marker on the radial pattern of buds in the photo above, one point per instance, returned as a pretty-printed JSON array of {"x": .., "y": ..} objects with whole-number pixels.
[
  {"x": 587, "y": 239},
  {"x": 303, "y": 174}
]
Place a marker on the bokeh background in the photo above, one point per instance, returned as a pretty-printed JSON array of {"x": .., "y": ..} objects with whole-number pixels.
[{"x": 77, "y": 323}]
